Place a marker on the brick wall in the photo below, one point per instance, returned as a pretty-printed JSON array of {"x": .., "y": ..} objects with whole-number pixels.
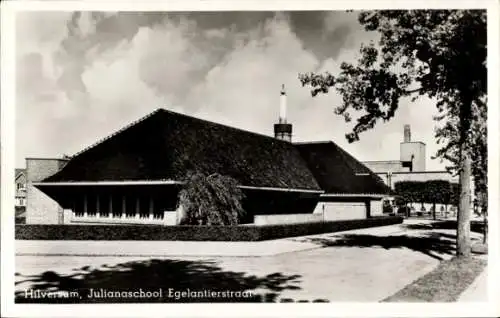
[
  {"x": 376, "y": 208},
  {"x": 40, "y": 208},
  {"x": 333, "y": 211},
  {"x": 415, "y": 149},
  {"x": 385, "y": 166},
  {"x": 287, "y": 218}
]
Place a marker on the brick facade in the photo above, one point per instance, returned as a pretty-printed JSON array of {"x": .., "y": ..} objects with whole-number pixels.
[{"x": 40, "y": 208}]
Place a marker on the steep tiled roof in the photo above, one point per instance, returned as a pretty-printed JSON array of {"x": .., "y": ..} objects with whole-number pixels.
[
  {"x": 337, "y": 172},
  {"x": 166, "y": 146}
]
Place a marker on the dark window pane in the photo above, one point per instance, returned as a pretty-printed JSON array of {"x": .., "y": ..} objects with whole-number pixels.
[
  {"x": 144, "y": 207},
  {"x": 130, "y": 206},
  {"x": 91, "y": 204},
  {"x": 117, "y": 206},
  {"x": 78, "y": 205},
  {"x": 104, "y": 205}
]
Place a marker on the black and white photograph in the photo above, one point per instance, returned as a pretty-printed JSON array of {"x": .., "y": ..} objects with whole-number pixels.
[{"x": 250, "y": 155}]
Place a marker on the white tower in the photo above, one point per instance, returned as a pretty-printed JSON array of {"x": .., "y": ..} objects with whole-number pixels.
[{"x": 283, "y": 130}]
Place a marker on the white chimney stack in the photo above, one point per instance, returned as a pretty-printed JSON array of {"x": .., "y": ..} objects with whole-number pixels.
[
  {"x": 282, "y": 118},
  {"x": 283, "y": 130}
]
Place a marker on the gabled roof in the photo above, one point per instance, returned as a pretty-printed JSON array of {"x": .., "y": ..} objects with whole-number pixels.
[
  {"x": 337, "y": 172},
  {"x": 166, "y": 146},
  {"x": 19, "y": 171}
]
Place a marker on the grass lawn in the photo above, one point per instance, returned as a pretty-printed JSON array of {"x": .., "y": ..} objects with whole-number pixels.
[{"x": 443, "y": 284}]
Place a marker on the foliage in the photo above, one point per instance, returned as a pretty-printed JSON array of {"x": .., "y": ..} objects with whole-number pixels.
[
  {"x": 191, "y": 233},
  {"x": 387, "y": 207},
  {"x": 440, "y": 54},
  {"x": 432, "y": 191},
  {"x": 448, "y": 135},
  {"x": 437, "y": 53},
  {"x": 211, "y": 200}
]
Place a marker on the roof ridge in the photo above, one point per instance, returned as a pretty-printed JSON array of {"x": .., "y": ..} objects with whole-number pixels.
[
  {"x": 349, "y": 159},
  {"x": 133, "y": 123},
  {"x": 227, "y": 126},
  {"x": 380, "y": 161},
  {"x": 100, "y": 141},
  {"x": 313, "y": 142}
]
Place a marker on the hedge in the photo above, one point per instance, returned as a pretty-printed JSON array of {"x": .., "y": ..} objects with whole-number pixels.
[
  {"x": 431, "y": 191},
  {"x": 191, "y": 233}
]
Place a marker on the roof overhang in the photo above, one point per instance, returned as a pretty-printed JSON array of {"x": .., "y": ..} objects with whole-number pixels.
[
  {"x": 159, "y": 182},
  {"x": 354, "y": 195},
  {"x": 282, "y": 189},
  {"x": 106, "y": 183}
]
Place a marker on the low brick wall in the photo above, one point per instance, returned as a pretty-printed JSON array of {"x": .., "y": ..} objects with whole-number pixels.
[
  {"x": 191, "y": 233},
  {"x": 287, "y": 218}
]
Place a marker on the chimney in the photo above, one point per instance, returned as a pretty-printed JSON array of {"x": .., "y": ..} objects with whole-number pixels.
[
  {"x": 407, "y": 133},
  {"x": 283, "y": 130},
  {"x": 282, "y": 117},
  {"x": 412, "y": 153}
]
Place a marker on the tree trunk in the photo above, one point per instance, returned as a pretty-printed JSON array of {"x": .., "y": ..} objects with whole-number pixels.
[
  {"x": 463, "y": 218},
  {"x": 434, "y": 210},
  {"x": 485, "y": 226}
]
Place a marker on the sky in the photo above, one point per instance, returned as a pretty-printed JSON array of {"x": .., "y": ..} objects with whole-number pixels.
[{"x": 83, "y": 75}]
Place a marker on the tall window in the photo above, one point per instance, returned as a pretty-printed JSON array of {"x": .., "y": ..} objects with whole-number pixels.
[
  {"x": 159, "y": 207},
  {"x": 117, "y": 205},
  {"x": 144, "y": 207},
  {"x": 104, "y": 205},
  {"x": 79, "y": 205},
  {"x": 130, "y": 206},
  {"x": 91, "y": 204}
]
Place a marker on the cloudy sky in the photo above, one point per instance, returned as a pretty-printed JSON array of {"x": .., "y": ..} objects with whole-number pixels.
[{"x": 82, "y": 75}]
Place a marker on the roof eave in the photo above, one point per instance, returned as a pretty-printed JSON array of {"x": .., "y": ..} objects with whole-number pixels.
[
  {"x": 161, "y": 182},
  {"x": 357, "y": 195}
]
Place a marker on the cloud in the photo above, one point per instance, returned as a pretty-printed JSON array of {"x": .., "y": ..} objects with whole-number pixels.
[{"x": 83, "y": 76}]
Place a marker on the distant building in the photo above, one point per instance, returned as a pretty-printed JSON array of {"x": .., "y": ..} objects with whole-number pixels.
[
  {"x": 20, "y": 199},
  {"x": 20, "y": 177},
  {"x": 134, "y": 175},
  {"x": 411, "y": 167}
]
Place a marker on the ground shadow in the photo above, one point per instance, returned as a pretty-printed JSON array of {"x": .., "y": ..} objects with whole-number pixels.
[
  {"x": 475, "y": 226},
  {"x": 197, "y": 279},
  {"x": 434, "y": 245}
]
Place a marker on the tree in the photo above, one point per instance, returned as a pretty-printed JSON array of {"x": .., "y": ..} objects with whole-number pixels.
[
  {"x": 431, "y": 191},
  {"x": 211, "y": 200},
  {"x": 440, "y": 54},
  {"x": 449, "y": 136},
  {"x": 437, "y": 191}
]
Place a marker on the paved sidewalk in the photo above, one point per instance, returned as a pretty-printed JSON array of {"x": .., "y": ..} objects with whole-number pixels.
[
  {"x": 365, "y": 265},
  {"x": 159, "y": 248},
  {"x": 208, "y": 249},
  {"x": 478, "y": 290},
  {"x": 184, "y": 248}
]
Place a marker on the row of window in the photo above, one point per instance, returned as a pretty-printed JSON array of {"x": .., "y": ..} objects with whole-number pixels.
[{"x": 118, "y": 206}]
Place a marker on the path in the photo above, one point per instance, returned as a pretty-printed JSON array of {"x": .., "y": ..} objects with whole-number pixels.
[{"x": 365, "y": 265}]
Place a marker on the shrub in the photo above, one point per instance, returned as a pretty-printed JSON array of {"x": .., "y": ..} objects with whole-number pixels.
[
  {"x": 192, "y": 233},
  {"x": 387, "y": 207},
  {"x": 404, "y": 210},
  {"x": 211, "y": 200}
]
